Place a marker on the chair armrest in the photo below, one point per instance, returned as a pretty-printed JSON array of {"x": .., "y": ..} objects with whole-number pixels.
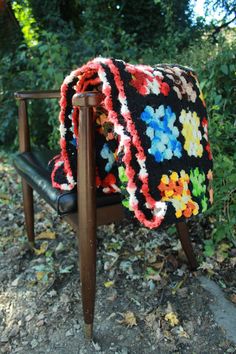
[{"x": 24, "y": 95}]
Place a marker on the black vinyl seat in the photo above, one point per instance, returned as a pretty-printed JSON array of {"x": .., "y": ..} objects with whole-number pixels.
[{"x": 33, "y": 167}]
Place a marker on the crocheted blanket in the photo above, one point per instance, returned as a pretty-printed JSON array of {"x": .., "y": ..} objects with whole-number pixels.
[{"x": 151, "y": 138}]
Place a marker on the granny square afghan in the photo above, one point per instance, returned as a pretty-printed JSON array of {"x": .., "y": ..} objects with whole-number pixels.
[{"x": 151, "y": 138}]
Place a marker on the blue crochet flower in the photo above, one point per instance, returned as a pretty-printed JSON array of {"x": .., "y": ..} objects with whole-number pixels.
[
  {"x": 162, "y": 132},
  {"x": 74, "y": 142},
  {"x": 106, "y": 153}
]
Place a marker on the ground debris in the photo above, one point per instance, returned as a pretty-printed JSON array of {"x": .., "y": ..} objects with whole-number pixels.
[
  {"x": 128, "y": 320},
  {"x": 147, "y": 300}
]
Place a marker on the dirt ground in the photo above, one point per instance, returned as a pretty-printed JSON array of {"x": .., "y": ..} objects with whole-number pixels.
[{"x": 147, "y": 300}]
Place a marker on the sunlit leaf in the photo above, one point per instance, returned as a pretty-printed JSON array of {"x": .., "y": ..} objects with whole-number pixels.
[
  {"x": 171, "y": 317},
  {"x": 108, "y": 284},
  {"x": 46, "y": 235},
  {"x": 129, "y": 319},
  {"x": 182, "y": 333},
  {"x": 43, "y": 248},
  {"x": 40, "y": 275}
]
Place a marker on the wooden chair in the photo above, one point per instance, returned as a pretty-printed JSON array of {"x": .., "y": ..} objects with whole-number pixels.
[{"x": 83, "y": 208}]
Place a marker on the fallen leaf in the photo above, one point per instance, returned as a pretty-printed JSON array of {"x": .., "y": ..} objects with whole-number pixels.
[
  {"x": 233, "y": 298},
  {"x": 158, "y": 265},
  {"x": 46, "y": 235},
  {"x": 222, "y": 252},
  {"x": 60, "y": 247},
  {"x": 172, "y": 318},
  {"x": 112, "y": 297},
  {"x": 129, "y": 319},
  {"x": 152, "y": 320},
  {"x": 112, "y": 315},
  {"x": 223, "y": 247},
  {"x": 172, "y": 260},
  {"x": 152, "y": 258},
  {"x": 4, "y": 196},
  {"x": 167, "y": 334},
  {"x": 40, "y": 275},
  {"x": 179, "y": 284},
  {"x": 212, "y": 219},
  {"x": 233, "y": 261},
  {"x": 43, "y": 248},
  {"x": 66, "y": 269},
  {"x": 177, "y": 246},
  {"x": 182, "y": 333},
  {"x": 96, "y": 346},
  {"x": 108, "y": 284},
  {"x": 207, "y": 266},
  {"x": 152, "y": 274}
]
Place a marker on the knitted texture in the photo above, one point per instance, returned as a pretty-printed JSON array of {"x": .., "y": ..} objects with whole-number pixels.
[{"x": 151, "y": 138}]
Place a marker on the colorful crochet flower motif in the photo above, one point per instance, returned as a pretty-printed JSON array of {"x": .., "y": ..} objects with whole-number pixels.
[
  {"x": 205, "y": 127},
  {"x": 182, "y": 84},
  {"x": 201, "y": 96},
  {"x": 124, "y": 180},
  {"x": 105, "y": 127},
  {"x": 191, "y": 133},
  {"x": 162, "y": 132},
  {"x": 108, "y": 184},
  {"x": 199, "y": 186},
  {"x": 146, "y": 80},
  {"x": 107, "y": 154},
  {"x": 175, "y": 189}
]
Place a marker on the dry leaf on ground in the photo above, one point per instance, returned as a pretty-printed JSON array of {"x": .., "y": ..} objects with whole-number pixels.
[
  {"x": 129, "y": 319},
  {"x": 182, "y": 333},
  {"x": 233, "y": 298},
  {"x": 43, "y": 248},
  {"x": 46, "y": 235},
  {"x": 108, "y": 284},
  {"x": 172, "y": 318}
]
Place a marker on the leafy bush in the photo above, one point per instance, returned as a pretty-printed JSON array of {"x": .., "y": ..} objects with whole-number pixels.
[
  {"x": 219, "y": 84},
  {"x": 216, "y": 68},
  {"x": 40, "y": 67}
]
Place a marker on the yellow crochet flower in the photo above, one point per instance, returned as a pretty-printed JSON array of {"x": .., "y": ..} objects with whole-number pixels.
[
  {"x": 174, "y": 176},
  {"x": 175, "y": 189},
  {"x": 191, "y": 133}
]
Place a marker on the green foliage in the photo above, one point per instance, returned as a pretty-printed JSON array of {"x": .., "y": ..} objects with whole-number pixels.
[
  {"x": 219, "y": 87},
  {"x": 40, "y": 67},
  {"x": 27, "y": 22}
]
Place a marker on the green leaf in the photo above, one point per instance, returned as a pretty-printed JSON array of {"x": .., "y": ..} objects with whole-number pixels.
[
  {"x": 224, "y": 69},
  {"x": 209, "y": 248},
  {"x": 66, "y": 269}
]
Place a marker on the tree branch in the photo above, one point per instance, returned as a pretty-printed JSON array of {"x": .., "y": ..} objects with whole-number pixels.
[{"x": 217, "y": 29}]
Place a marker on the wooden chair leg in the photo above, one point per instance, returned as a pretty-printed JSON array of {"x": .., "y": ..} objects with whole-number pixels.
[
  {"x": 28, "y": 204},
  {"x": 87, "y": 256},
  {"x": 184, "y": 237},
  {"x": 87, "y": 210}
]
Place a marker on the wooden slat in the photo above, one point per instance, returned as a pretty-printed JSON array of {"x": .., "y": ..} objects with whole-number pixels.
[
  {"x": 105, "y": 215},
  {"x": 24, "y": 133},
  {"x": 21, "y": 95}
]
